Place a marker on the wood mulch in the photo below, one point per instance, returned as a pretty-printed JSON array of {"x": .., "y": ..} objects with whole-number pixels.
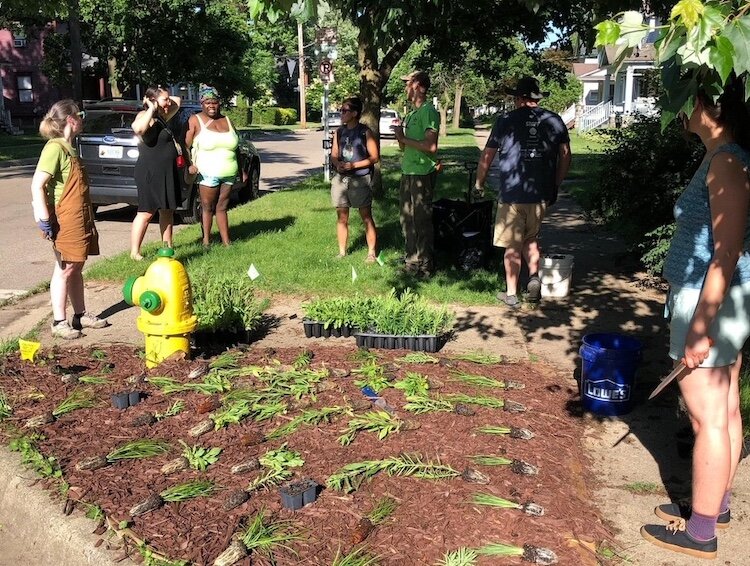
[{"x": 432, "y": 517}]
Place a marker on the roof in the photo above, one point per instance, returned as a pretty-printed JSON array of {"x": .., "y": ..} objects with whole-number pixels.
[
  {"x": 582, "y": 69},
  {"x": 643, "y": 54}
]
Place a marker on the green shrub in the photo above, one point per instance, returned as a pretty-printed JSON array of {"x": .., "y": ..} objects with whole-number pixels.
[
  {"x": 643, "y": 172},
  {"x": 274, "y": 115},
  {"x": 241, "y": 117},
  {"x": 336, "y": 312},
  {"x": 225, "y": 302}
]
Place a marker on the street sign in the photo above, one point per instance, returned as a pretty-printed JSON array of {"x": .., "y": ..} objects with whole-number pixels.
[{"x": 325, "y": 68}]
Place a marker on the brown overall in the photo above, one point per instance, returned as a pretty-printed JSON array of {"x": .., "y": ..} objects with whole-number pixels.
[{"x": 76, "y": 238}]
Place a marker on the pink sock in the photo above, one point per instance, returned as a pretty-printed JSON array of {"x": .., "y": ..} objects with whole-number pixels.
[
  {"x": 725, "y": 502},
  {"x": 701, "y": 527}
]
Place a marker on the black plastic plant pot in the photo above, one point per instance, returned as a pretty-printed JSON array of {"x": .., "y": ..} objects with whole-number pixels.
[
  {"x": 204, "y": 339},
  {"x": 291, "y": 497},
  {"x": 311, "y": 492},
  {"x": 426, "y": 343},
  {"x": 134, "y": 397},
  {"x": 120, "y": 400},
  {"x": 315, "y": 329}
]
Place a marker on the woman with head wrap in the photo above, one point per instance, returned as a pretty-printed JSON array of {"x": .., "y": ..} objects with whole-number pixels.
[
  {"x": 214, "y": 145},
  {"x": 156, "y": 172}
]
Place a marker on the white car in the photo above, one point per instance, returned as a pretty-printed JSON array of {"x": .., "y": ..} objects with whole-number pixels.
[{"x": 388, "y": 119}]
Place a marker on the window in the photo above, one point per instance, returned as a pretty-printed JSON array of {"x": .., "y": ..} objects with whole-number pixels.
[{"x": 25, "y": 91}]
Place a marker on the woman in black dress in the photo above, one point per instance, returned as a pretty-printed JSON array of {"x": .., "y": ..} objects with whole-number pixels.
[{"x": 156, "y": 172}]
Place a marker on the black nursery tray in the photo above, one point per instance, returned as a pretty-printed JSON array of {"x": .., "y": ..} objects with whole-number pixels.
[
  {"x": 426, "y": 343},
  {"x": 315, "y": 329},
  {"x": 209, "y": 338}
]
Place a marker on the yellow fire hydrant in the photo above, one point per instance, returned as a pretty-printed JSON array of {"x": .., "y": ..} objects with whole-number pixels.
[{"x": 166, "y": 302}]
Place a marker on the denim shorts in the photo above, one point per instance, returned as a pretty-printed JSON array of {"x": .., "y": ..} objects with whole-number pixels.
[
  {"x": 213, "y": 182},
  {"x": 729, "y": 330}
]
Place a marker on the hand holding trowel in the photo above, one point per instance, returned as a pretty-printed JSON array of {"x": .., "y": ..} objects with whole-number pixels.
[{"x": 679, "y": 369}]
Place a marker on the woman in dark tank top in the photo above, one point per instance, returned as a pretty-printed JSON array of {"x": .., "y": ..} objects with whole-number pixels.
[{"x": 353, "y": 154}]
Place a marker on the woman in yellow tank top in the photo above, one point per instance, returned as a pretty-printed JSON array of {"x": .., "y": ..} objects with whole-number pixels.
[{"x": 214, "y": 145}]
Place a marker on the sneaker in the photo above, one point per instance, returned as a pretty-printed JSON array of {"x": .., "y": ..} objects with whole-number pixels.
[
  {"x": 534, "y": 289},
  {"x": 65, "y": 331},
  {"x": 88, "y": 320},
  {"x": 675, "y": 512},
  {"x": 674, "y": 537},
  {"x": 510, "y": 301}
]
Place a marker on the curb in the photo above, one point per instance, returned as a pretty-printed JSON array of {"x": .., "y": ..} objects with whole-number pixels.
[{"x": 8, "y": 163}]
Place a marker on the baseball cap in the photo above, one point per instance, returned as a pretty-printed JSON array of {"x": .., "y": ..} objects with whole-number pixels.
[{"x": 420, "y": 76}]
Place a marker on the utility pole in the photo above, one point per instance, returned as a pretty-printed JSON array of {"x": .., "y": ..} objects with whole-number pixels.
[{"x": 302, "y": 111}]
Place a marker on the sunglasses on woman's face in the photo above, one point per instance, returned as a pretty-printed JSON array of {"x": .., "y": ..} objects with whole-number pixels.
[{"x": 347, "y": 110}]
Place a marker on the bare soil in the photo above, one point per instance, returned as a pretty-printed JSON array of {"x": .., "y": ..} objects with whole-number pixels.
[{"x": 432, "y": 517}]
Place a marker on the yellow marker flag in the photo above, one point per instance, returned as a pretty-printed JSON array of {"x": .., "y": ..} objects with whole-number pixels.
[{"x": 28, "y": 349}]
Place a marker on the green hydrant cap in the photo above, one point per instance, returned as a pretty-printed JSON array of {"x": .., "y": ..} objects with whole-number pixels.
[
  {"x": 165, "y": 252},
  {"x": 150, "y": 301},
  {"x": 127, "y": 289}
]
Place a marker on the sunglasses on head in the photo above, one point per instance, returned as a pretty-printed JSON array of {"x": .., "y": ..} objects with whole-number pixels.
[{"x": 81, "y": 114}]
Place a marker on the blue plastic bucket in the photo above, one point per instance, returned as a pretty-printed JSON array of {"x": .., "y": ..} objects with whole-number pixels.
[{"x": 610, "y": 362}]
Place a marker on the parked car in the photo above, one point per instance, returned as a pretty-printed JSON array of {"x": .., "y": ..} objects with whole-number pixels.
[
  {"x": 334, "y": 119},
  {"x": 388, "y": 119},
  {"x": 109, "y": 150}
]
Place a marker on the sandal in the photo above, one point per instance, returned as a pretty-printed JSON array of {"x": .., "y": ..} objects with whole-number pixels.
[{"x": 371, "y": 258}]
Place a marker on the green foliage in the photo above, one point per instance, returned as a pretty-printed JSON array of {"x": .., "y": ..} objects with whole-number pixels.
[
  {"x": 274, "y": 115},
  {"x": 383, "y": 509},
  {"x": 374, "y": 377},
  {"x": 460, "y": 557},
  {"x": 8, "y": 346},
  {"x": 482, "y": 401},
  {"x": 199, "y": 457},
  {"x": 279, "y": 463},
  {"x": 137, "y": 449},
  {"x": 31, "y": 456},
  {"x": 644, "y": 169},
  {"x": 417, "y": 358},
  {"x": 309, "y": 417},
  {"x": 346, "y": 84},
  {"x": 350, "y": 477},
  {"x": 413, "y": 384},
  {"x": 78, "y": 399},
  {"x": 477, "y": 380},
  {"x": 187, "y": 491},
  {"x": 489, "y": 460},
  {"x": 380, "y": 422},
  {"x": 174, "y": 409},
  {"x": 232, "y": 413},
  {"x": 335, "y": 312},
  {"x": 420, "y": 405},
  {"x": 6, "y": 409},
  {"x": 94, "y": 512},
  {"x": 699, "y": 48},
  {"x": 480, "y": 357},
  {"x": 264, "y": 536},
  {"x": 225, "y": 302},
  {"x": 241, "y": 117},
  {"x": 358, "y": 556}
]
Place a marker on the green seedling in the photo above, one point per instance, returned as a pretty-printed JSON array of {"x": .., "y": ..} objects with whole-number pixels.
[
  {"x": 459, "y": 557},
  {"x": 199, "y": 457},
  {"x": 494, "y": 501},
  {"x": 513, "y": 432},
  {"x": 479, "y": 357},
  {"x": 187, "y": 491},
  {"x": 94, "y": 512},
  {"x": 265, "y": 536},
  {"x": 279, "y": 463},
  {"x": 380, "y": 422},
  {"x": 364, "y": 356},
  {"x": 99, "y": 355},
  {"x": 481, "y": 401},
  {"x": 31, "y": 457},
  {"x": 356, "y": 557},
  {"x": 383, "y": 509},
  {"x": 350, "y": 477},
  {"x": 420, "y": 405},
  {"x": 174, "y": 409},
  {"x": 151, "y": 558},
  {"x": 482, "y": 381},
  {"x": 516, "y": 466},
  {"x": 78, "y": 399},
  {"x": 226, "y": 360},
  {"x": 138, "y": 449},
  {"x": 6, "y": 409},
  {"x": 413, "y": 384},
  {"x": 303, "y": 360},
  {"x": 309, "y": 417},
  {"x": 93, "y": 380},
  {"x": 374, "y": 377},
  {"x": 234, "y": 413},
  {"x": 529, "y": 553},
  {"x": 643, "y": 488},
  {"x": 417, "y": 358}
]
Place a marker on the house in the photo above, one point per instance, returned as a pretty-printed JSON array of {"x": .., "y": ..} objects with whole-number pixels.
[{"x": 609, "y": 89}]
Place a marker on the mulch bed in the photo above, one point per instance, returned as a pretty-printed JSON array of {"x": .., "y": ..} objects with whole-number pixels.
[{"x": 432, "y": 517}]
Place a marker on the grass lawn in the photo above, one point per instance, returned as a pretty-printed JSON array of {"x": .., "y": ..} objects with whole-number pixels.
[
  {"x": 587, "y": 150},
  {"x": 290, "y": 238},
  {"x": 20, "y": 147}
]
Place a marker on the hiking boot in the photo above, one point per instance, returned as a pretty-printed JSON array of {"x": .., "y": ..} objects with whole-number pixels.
[
  {"x": 510, "y": 301},
  {"x": 675, "y": 512},
  {"x": 534, "y": 289},
  {"x": 65, "y": 331},
  {"x": 674, "y": 537},
  {"x": 88, "y": 320}
]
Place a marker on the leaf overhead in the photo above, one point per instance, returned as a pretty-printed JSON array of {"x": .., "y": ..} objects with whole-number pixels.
[{"x": 689, "y": 11}]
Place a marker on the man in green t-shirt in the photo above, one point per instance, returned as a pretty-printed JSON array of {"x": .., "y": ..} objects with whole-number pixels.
[{"x": 418, "y": 139}]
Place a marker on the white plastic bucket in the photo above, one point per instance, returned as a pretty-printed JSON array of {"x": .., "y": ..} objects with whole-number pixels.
[{"x": 556, "y": 272}]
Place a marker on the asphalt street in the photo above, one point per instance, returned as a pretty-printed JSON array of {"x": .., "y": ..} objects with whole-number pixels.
[{"x": 26, "y": 259}]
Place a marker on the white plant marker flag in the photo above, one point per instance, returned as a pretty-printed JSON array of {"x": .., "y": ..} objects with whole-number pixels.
[
  {"x": 354, "y": 274},
  {"x": 253, "y": 273}
]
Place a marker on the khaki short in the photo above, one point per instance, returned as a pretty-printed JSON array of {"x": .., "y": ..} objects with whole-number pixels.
[
  {"x": 350, "y": 191},
  {"x": 517, "y": 223}
]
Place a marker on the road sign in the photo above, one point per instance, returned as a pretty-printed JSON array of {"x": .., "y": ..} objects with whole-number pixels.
[{"x": 325, "y": 68}]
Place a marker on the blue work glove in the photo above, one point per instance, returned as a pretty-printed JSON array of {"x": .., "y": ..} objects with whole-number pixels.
[{"x": 46, "y": 227}]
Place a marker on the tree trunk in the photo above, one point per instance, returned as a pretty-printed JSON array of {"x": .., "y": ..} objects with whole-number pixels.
[
  {"x": 444, "y": 114},
  {"x": 371, "y": 92},
  {"x": 457, "y": 104},
  {"x": 113, "y": 86},
  {"x": 74, "y": 23}
]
